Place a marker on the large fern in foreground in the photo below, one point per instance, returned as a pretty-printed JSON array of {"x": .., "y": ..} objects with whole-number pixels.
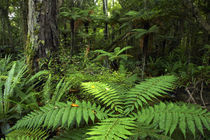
[
  {"x": 27, "y": 134},
  {"x": 113, "y": 129},
  {"x": 105, "y": 94},
  {"x": 149, "y": 90},
  {"x": 132, "y": 115},
  {"x": 170, "y": 116},
  {"x": 63, "y": 114}
]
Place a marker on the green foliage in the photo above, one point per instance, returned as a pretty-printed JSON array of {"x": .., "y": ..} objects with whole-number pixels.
[
  {"x": 61, "y": 114},
  {"x": 143, "y": 131},
  {"x": 112, "y": 128},
  {"x": 116, "y": 55},
  {"x": 73, "y": 134},
  {"x": 21, "y": 138},
  {"x": 51, "y": 97},
  {"x": 141, "y": 32},
  {"x": 145, "y": 92},
  {"x": 126, "y": 115},
  {"x": 169, "y": 116},
  {"x": 8, "y": 86},
  {"x": 104, "y": 93},
  {"x": 27, "y": 133}
]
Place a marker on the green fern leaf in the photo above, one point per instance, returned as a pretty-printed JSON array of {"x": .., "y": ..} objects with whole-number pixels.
[
  {"x": 73, "y": 134},
  {"x": 170, "y": 116},
  {"x": 182, "y": 123},
  {"x": 148, "y": 90},
  {"x": 105, "y": 93},
  {"x": 24, "y": 134},
  {"x": 112, "y": 128},
  {"x": 143, "y": 131},
  {"x": 66, "y": 115},
  {"x": 61, "y": 114},
  {"x": 85, "y": 112}
]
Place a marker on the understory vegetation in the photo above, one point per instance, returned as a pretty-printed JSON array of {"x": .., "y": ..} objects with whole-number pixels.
[{"x": 104, "y": 70}]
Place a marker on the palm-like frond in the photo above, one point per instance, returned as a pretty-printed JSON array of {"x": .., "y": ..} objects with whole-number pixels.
[
  {"x": 170, "y": 116},
  {"x": 113, "y": 129},
  {"x": 62, "y": 114},
  {"x": 148, "y": 90},
  {"x": 105, "y": 93}
]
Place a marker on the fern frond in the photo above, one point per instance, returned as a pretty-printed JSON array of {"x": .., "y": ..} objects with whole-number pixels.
[
  {"x": 73, "y": 134},
  {"x": 60, "y": 89},
  {"x": 37, "y": 75},
  {"x": 62, "y": 114},
  {"x": 171, "y": 116},
  {"x": 113, "y": 128},
  {"x": 21, "y": 138},
  {"x": 32, "y": 133},
  {"x": 105, "y": 93},
  {"x": 142, "y": 131},
  {"x": 148, "y": 90}
]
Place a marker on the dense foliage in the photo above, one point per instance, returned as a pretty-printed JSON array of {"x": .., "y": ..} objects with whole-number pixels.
[{"x": 104, "y": 69}]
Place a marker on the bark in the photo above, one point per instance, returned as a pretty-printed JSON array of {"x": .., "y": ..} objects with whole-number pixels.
[
  {"x": 145, "y": 49},
  {"x": 73, "y": 48},
  {"x": 42, "y": 29},
  {"x": 24, "y": 12},
  {"x": 6, "y": 27},
  {"x": 105, "y": 9}
]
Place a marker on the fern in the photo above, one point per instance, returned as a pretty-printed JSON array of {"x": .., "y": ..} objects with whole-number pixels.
[
  {"x": 170, "y": 116},
  {"x": 24, "y": 133},
  {"x": 147, "y": 91},
  {"x": 60, "y": 89},
  {"x": 22, "y": 138},
  {"x": 62, "y": 114},
  {"x": 105, "y": 93},
  {"x": 73, "y": 134},
  {"x": 113, "y": 128},
  {"x": 142, "y": 131}
]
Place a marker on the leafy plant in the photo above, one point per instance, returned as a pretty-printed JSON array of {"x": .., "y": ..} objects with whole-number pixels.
[
  {"x": 113, "y": 57},
  {"x": 15, "y": 99},
  {"x": 133, "y": 114},
  {"x": 116, "y": 55}
]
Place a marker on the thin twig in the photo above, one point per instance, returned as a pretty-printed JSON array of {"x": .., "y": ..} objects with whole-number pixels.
[
  {"x": 201, "y": 94},
  {"x": 190, "y": 95}
]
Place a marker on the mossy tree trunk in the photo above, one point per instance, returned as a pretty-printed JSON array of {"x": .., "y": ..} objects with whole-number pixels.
[{"x": 42, "y": 31}]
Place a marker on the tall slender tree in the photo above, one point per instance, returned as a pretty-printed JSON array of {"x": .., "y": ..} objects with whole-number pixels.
[{"x": 105, "y": 9}]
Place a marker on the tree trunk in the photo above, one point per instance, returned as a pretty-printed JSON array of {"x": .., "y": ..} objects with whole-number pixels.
[
  {"x": 24, "y": 12},
  {"x": 73, "y": 48},
  {"x": 5, "y": 23},
  {"x": 105, "y": 9},
  {"x": 42, "y": 30}
]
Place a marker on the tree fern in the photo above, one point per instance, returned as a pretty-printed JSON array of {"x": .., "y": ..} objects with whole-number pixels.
[
  {"x": 148, "y": 90},
  {"x": 62, "y": 114},
  {"x": 113, "y": 129},
  {"x": 170, "y": 116},
  {"x": 105, "y": 93}
]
